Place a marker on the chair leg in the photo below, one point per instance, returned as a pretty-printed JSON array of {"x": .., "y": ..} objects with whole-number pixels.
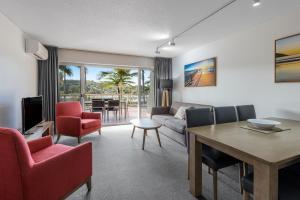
[
  {"x": 246, "y": 196},
  {"x": 79, "y": 138},
  {"x": 188, "y": 166},
  {"x": 215, "y": 184},
  {"x": 89, "y": 184},
  {"x": 58, "y": 137},
  {"x": 99, "y": 131},
  {"x": 241, "y": 169}
]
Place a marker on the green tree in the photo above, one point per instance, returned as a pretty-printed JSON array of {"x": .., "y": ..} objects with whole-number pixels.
[
  {"x": 118, "y": 78},
  {"x": 63, "y": 72}
]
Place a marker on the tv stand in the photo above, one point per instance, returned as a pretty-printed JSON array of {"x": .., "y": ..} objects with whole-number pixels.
[{"x": 40, "y": 130}]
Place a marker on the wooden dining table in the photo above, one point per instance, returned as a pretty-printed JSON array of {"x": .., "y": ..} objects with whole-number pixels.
[{"x": 266, "y": 152}]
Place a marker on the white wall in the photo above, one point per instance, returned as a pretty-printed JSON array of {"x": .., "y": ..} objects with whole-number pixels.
[
  {"x": 245, "y": 71},
  {"x": 18, "y": 74},
  {"x": 99, "y": 58}
]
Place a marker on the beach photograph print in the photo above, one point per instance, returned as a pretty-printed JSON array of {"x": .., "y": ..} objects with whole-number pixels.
[
  {"x": 202, "y": 73},
  {"x": 287, "y": 59}
]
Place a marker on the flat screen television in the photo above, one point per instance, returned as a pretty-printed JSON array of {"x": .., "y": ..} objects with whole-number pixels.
[{"x": 32, "y": 112}]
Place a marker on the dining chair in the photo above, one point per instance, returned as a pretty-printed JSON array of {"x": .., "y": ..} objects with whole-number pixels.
[
  {"x": 211, "y": 157},
  {"x": 114, "y": 106},
  {"x": 288, "y": 185},
  {"x": 245, "y": 112},
  {"x": 227, "y": 114},
  {"x": 98, "y": 105}
]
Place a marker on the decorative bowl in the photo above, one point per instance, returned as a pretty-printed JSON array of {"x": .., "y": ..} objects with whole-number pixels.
[{"x": 264, "y": 124}]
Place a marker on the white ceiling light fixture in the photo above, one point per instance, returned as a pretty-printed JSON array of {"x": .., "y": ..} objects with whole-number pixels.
[
  {"x": 172, "y": 42},
  {"x": 157, "y": 51},
  {"x": 256, "y": 3}
]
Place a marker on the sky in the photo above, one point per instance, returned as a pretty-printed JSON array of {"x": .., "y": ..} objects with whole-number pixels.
[{"x": 93, "y": 71}]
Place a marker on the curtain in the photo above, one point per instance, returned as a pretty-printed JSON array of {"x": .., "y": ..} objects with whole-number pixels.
[
  {"x": 47, "y": 82},
  {"x": 162, "y": 70}
]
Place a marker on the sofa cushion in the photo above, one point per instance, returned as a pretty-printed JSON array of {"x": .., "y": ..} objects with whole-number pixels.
[
  {"x": 161, "y": 118},
  {"x": 49, "y": 152},
  {"x": 89, "y": 123},
  {"x": 176, "y": 105},
  {"x": 180, "y": 114},
  {"x": 175, "y": 124}
]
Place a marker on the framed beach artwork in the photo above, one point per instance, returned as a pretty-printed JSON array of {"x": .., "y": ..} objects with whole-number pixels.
[
  {"x": 287, "y": 59},
  {"x": 201, "y": 73}
]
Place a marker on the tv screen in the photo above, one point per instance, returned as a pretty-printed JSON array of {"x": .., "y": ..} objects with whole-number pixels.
[{"x": 32, "y": 112}]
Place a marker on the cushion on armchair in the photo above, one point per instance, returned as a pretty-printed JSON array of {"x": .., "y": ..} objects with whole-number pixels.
[{"x": 90, "y": 123}]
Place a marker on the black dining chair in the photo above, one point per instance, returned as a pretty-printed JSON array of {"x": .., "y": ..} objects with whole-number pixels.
[
  {"x": 113, "y": 106},
  {"x": 246, "y": 112},
  {"x": 98, "y": 105},
  {"x": 227, "y": 114},
  {"x": 211, "y": 157},
  {"x": 288, "y": 185}
]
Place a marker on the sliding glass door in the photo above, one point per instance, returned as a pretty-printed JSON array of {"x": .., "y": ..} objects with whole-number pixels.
[
  {"x": 132, "y": 87},
  {"x": 146, "y": 92},
  {"x": 69, "y": 86}
]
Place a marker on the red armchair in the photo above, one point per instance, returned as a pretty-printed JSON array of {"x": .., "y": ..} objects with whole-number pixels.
[
  {"x": 40, "y": 169},
  {"x": 71, "y": 121}
]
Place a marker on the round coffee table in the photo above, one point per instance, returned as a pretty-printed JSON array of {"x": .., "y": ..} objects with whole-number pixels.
[{"x": 146, "y": 124}]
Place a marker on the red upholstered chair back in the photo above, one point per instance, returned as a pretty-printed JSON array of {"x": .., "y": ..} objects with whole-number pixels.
[
  {"x": 72, "y": 108},
  {"x": 15, "y": 162}
]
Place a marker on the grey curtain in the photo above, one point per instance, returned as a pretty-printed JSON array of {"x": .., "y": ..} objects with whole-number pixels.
[
  {"x": 47, "y": 82},
  {"x": 162, "y": 70}
]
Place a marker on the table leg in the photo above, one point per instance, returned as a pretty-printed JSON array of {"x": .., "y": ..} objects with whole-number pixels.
[
  {"x": 265, "y": 181},
  {"x": 157, "y": 134},
  {"x": 195, "y": 165},
  {"x": 133, "y": 131},
  {"x": 144, "y": 137}
]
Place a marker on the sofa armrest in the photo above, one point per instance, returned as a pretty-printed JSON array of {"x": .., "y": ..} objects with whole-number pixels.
[
  {"x": 91, "y": 115},
  {"x": 39, "y": 144},
  {"x": 160, "y": 111},
  {"x": 64, "y": 172},
  {"x": 68, "y": 125}
]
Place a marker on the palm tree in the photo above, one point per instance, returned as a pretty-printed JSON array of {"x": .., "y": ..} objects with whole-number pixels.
[
  {"x": 63, "y": 72},
  {"x": 118, "y": 78}
]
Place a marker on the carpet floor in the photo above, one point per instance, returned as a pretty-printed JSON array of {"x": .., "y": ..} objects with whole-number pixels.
[{"x": 123, "y": 171}]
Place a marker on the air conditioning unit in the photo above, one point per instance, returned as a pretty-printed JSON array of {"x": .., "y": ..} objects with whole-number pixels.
[{"x": 35, "y": 48}]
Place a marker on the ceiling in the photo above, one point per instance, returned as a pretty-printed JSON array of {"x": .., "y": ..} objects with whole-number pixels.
[{"x": 136, "y": 27}]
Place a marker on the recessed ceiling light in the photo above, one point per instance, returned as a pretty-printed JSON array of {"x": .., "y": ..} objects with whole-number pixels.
[{"x": 256, "y": 3}]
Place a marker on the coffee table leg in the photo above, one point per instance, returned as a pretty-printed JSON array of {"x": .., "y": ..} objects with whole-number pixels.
[
  {"x": 133, "y": 131},
  {"x": 157, "y": 134},
  {"x": 145, "y": 133}
]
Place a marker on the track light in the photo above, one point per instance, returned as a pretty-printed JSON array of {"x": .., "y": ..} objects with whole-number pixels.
[
  {"x": 171, "y": 42},
  {"x": 256, "y": 3},
  {"x": 157, "y": 51}
]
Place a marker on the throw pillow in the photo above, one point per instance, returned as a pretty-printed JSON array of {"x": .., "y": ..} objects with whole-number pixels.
[{"x": 180, "y": 114}]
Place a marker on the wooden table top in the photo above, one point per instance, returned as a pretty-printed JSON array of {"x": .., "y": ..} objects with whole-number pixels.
[
  {"x": 145, "y": 123},
  {"x": 275, "y": 148}
]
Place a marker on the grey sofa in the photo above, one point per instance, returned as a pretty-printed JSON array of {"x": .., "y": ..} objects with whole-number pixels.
[{"x": 172, "y": 127}]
